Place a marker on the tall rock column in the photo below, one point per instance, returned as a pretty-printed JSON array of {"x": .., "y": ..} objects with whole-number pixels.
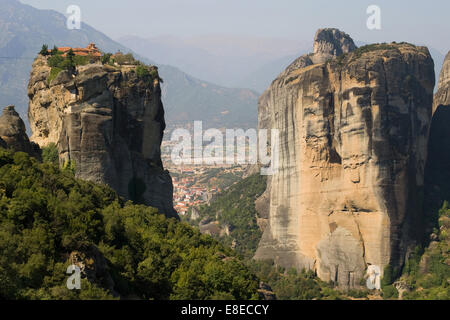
[
  {"x": 353, "y": 139},
  {"x": 442, "y": 96},
  {"x": 109, "y": 122},
  {"x": 438, "y": 164}
]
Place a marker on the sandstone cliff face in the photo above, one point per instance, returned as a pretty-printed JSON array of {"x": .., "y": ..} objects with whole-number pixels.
[
  {"x": 13, "y": 133},
  {"x": 353, "y": 139},
  {"x": 442, "y": 96},
  {"x": 109, "y": 123}
]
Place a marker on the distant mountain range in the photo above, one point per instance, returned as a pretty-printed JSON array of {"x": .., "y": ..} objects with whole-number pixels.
[
  {"x": 23, "y": 30},
  {"x": 243, "y": 62},
  {"x": 230, "y": 61},
  {"x": 261, "y": 78}
]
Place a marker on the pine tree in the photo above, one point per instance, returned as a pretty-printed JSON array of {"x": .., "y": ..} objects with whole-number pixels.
[{"x": 44, "y": 50}]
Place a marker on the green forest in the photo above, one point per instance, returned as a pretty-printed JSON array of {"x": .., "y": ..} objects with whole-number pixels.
[
  {"x": 235, "y": 208},
  {"x": 48, "y": 218}
]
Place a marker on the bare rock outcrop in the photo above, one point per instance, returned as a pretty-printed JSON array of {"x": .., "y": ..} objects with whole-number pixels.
[
  {"x": 94, "y": 267},
  {"x": 109, "y": 122},
  {"x": 442, "y": 96},
  {"x": 353, "y": 129},
  {"x": 329, "y": 43},
  {"x": 13, "y": 134}
]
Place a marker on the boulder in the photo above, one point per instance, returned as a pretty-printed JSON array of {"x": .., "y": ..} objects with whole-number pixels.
[{"x": 13, "y": 133}]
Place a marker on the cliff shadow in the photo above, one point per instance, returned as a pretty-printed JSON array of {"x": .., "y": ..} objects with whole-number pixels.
[{"x": 437, "y": 171}]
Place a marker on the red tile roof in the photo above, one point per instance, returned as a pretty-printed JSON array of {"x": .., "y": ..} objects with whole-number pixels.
[{"x": 91, "y": 49}]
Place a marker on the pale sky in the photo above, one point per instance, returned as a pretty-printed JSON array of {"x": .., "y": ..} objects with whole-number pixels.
[{"x": 416, "y": 21}]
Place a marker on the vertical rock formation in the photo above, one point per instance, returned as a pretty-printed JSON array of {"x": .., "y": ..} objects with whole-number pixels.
[
  {"x": 442, "y": 96},
  {"x": 13, "y": 133},
  {"x": 438, "y": 164},
  {"x": 109, "y": 122},
  {"x": 353, "y": 138}
]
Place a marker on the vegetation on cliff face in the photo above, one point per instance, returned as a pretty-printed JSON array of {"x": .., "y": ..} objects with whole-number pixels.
[
  {"x": 217, "y": 178},
  {"x": 294, "y": 285},
  {"x": 59, "y": 63},
  {"x": 47, "y": 217},
  {"x": 359, "y": 52},
  {"x": 143, "y": 72},
  {"x": 50, "y": 154},
  {"x": 234, "y": 209},
  {"x": 70, "y": 61},
  {"x": 426, "y": 274}
]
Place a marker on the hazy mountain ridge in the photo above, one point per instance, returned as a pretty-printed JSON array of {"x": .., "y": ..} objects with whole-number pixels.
[
  {"x": 24, "y": 29},
  {"x": 253, "y": 65},
  {"x": 261, "y": 78},
  {"x": 232, "y": 107},
  {"x": 223, "y": 59}
]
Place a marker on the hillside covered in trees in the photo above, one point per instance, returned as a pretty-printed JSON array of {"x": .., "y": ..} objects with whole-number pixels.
[
  {"x": 50, "y": 220},
  {"x": 425, "y": 275},
  {"x": 234, "y": 210}
]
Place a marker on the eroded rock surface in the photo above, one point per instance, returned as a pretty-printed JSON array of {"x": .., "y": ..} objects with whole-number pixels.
[
  {"x": 442, "y": 96},
  {"x": 109, "y": 122},
  {"x": 353, "y": 146},
  {"x": 438, "y": 163},
  {"x": 13, "y": 133}
]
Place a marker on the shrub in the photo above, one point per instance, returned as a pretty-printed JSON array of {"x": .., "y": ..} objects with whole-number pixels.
[
  {"x": 357, "y": 293},
  {"x": 147, "y": 74},
  {"x": 69, "y": 166},
  {"x": 106, "y": 58},
  {"x": 237, "y": 211},
  {"x": 389, "y": 292},
  {"x": 53, "y": 74},
  {"x": 55, "y": 51},
  {"x": 125, "y": 59},
  {"x": 82, "y": 60},
  {"x": 389, "y": 275},
  {"x": 373, "y": 47},
  {"x": 67, "y": 64},
  {"x": 142, "y": 72},
  {"x": 430, "y": 279},
  {"x": 293, "y": 285},
  {"x": 50, "y": 154},
  {"x": 44, "y": 50},
  {"x": 58, "y": 63},
  {"x": 55, "y": 61}
]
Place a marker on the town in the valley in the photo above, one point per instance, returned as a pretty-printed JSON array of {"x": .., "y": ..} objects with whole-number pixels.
[{"x": 196, "y": 185}]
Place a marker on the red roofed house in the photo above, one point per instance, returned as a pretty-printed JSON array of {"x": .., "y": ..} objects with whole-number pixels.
[{"x": 90, "y": 50}]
